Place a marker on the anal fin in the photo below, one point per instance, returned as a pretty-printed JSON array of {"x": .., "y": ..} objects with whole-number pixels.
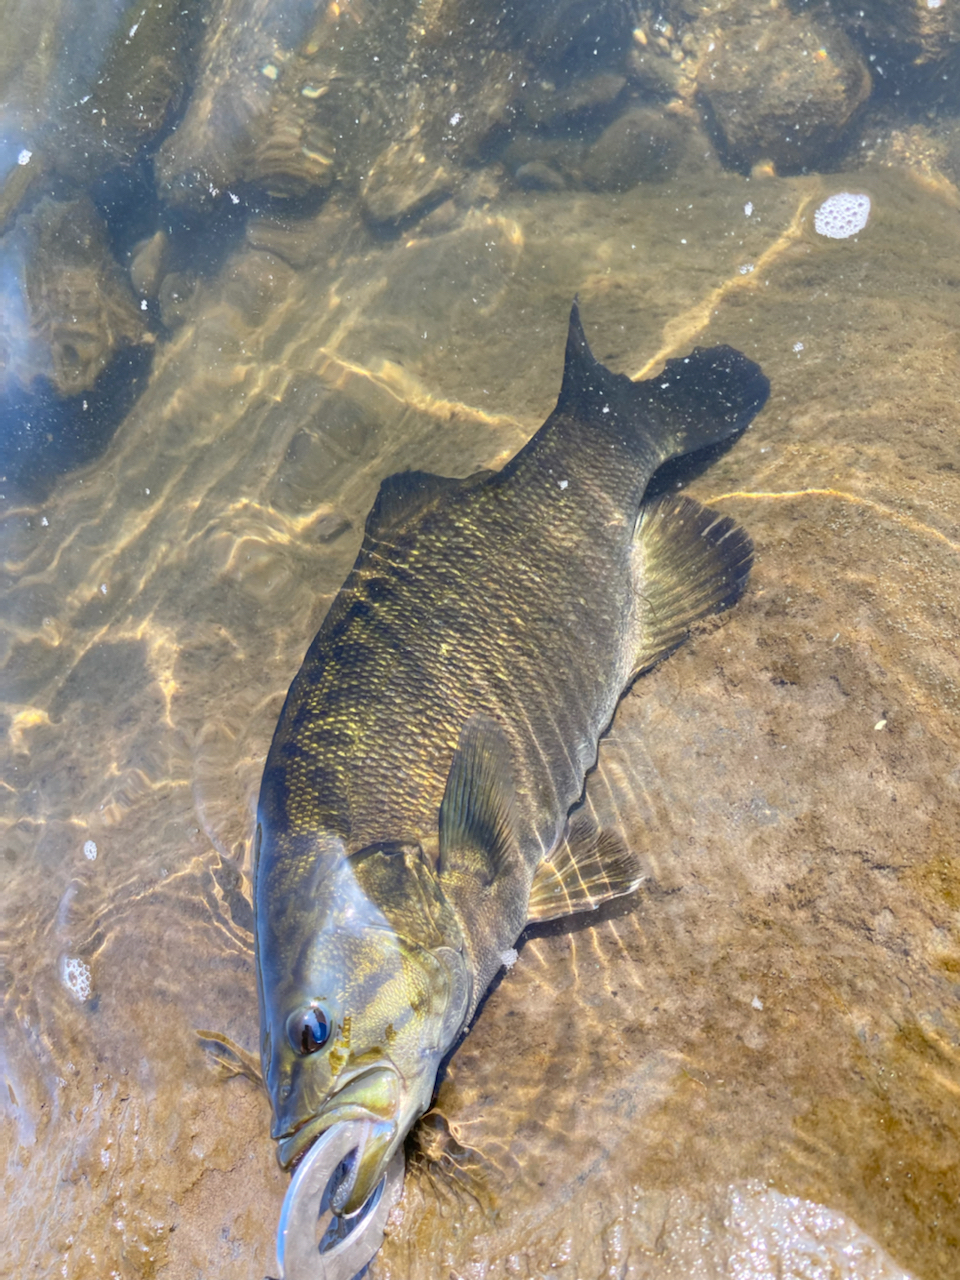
[
  {"x": 589, "y": 867},
  {"x": 689, "y": 562}
]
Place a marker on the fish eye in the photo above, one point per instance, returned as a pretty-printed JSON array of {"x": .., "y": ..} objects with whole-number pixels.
[{"x": 308, "y": 1029}]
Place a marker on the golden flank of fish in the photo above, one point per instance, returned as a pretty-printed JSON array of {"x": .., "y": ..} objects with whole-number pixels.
[{"x": 415, "y": 808}]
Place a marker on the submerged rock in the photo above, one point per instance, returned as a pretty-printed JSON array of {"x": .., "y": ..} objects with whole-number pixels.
[
  {"x": 539, "y": 175},
  {"x": 91, "y": 90},
  {"x": 783, "y": 89},
  {"x": 570, "y": 36},
  {"x": 642, "y": 145},
  {"x": 404, "y": 182},
  {"x": 914, "y": 45},
  {"x": 247, "y": 124},
  {"x": 544, "y": 105},
  {"x": 148, "y": 263},
  {"x": 75, "y": 306},
  {"x": 291, "y": 157}
]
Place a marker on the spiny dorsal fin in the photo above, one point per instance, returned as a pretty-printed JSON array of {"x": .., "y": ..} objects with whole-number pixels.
[
  {"x": 476, "y": 813},
  {"x": 403, "y": 495},
  {"x": 589, "y": 867},
  {"x": 689, "y": 562}
]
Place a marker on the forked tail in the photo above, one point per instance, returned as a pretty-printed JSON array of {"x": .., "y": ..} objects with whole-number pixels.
[{"x": 697, "y": 400}]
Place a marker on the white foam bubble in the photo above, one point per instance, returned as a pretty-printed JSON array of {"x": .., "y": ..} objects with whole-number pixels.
[
  {"x": 90, "y": 850},
  {"x": 75, "y": 976},
  {"x": 509, "y": 958},
  {"x": 842, "y": 215}
]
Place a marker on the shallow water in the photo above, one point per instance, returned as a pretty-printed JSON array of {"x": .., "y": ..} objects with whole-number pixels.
[{"x": 752, "y": 1067}]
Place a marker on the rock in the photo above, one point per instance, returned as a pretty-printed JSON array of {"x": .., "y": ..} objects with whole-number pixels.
[
  {"x": 175, "y": 293},
  {"x": 127, "y": 76},
  {"x": 951, "y": 154},
  {"x": 654, "y": 74},
  {"x": 914, "y": 45},
  {"x": 139, "y": 86},
  {"x": 642, "y": 145},
  {"x": 404, "y": 182},
  {"x": 255, "y": 284},
  {"x": 328, "y": 235},
  {"x": 538, "y": 175},
  {"x": 545, "y": 106},
  {"x": 258, "y": 118},
  {"x": 543, "y": 161},
  {"x": 483, "y": 104},
  {"x": 783, "y": 90},
  {"x": 291, "y": 157},
  {"x": 441, "y": 219},
  {"x": 568, "y": 36},
  {"x": 21, "y": 184},
  {"x": 148, "y": 263},
  {"x": 77, "y": 306}
]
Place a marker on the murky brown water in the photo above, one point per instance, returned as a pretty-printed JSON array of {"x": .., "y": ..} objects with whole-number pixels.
[{"x": 750, "y": 1069}]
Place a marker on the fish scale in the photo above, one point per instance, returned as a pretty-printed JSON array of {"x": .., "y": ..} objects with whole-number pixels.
[{"x": 451, "y": 599}]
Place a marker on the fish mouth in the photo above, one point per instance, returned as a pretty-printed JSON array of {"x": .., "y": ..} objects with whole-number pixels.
[{"x": 372, "y": 1097}]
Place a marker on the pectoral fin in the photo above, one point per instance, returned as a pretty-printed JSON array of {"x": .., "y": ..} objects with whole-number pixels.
[
  {"x": 689, "y": 562},
  {"x": 589, "y": 867},
  {"x": 477, "y": 811}
]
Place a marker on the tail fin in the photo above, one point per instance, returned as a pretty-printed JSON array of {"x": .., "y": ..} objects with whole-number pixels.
[{"x": 698, "y": 400}]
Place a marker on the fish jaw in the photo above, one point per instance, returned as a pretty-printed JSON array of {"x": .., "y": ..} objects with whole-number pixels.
[
  {"x": 377, "y": 1097},
  {"x": 372, "y": 1095}
]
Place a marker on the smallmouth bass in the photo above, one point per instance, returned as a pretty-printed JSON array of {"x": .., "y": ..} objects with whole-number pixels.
[{"x": 413, "y": 814}]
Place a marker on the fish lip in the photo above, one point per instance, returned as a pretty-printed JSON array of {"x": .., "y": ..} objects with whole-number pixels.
[{"x": 293, "y": 1145}]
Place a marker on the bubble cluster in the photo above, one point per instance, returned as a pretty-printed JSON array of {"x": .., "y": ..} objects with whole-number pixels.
[
  {"x": 76, "y": 977},
  {"x": 842, "y": 215},
  {"x": 90, "y": 850}
]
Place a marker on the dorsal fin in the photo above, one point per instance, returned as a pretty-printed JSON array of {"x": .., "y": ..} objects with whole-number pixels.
[
  {"x": 586, "y": 382},
  {"x": 402, "y": 496},
  {"x": 476, "y": 814}
]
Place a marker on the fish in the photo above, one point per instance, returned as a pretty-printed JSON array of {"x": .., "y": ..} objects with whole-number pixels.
[{"x": 419, "y": 801}]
